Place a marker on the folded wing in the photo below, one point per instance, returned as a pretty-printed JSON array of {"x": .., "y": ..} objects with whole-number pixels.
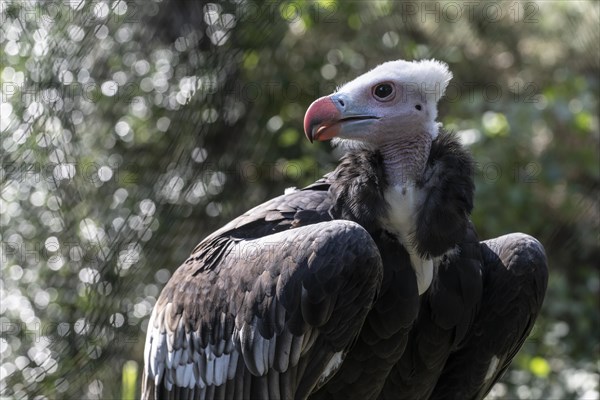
[{"x": 268, "y": 317}]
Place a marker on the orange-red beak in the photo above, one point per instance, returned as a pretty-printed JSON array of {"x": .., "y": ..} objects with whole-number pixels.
[{"x": 321, "y": 121}]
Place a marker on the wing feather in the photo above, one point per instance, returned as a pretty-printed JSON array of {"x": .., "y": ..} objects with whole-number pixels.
[
  {"x": 225, "y": 322},
  {"x": 515, "y": 279}
]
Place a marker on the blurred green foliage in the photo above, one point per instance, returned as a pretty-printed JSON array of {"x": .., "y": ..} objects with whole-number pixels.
[{"x": 131, "y": 129}]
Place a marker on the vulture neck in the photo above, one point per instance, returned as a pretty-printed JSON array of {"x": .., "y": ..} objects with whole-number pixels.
[
  {"x": 405, "y": 160},
  {"x": 404, "y": 164}
]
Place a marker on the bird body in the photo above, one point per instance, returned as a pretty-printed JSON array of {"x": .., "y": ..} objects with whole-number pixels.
[{"x": 369, "y": 283}]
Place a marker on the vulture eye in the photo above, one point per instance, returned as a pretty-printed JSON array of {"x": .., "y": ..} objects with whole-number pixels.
[{"x": 383, "y": 91}]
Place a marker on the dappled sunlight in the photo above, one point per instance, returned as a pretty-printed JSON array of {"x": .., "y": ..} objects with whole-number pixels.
[{"x": 131, "y": 130}]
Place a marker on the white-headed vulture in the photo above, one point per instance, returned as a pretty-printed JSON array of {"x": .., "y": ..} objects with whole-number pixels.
[{"x": 369, "y": 283}]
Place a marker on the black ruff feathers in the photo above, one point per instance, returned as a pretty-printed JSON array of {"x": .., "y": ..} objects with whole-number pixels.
[{"x": 448, "y": 186}]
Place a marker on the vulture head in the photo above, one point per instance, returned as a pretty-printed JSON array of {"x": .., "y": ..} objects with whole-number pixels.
[{"x": 392, "y": 108}]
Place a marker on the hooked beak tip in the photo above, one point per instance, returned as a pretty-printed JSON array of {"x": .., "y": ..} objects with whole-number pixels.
[{"x": 320, "y": 117}]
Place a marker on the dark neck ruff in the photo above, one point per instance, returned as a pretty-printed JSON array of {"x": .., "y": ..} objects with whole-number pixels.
[{"x": 359, "y": 182}]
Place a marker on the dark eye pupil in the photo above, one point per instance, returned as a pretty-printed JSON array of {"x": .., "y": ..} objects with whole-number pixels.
[{"x": 384, "y": 90}]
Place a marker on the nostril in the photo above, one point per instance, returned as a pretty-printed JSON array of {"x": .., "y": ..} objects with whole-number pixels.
[
  {"x": 418, "y": 107},
  {"x": 339, "y": 101}
]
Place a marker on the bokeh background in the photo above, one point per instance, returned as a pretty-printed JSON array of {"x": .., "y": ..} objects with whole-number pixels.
[{"x": 131, "y": 129}]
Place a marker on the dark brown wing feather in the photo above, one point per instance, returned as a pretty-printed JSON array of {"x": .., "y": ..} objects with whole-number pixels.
[
  {"x": 515, "y": 280},
  {"x": 261, "y": 317}
]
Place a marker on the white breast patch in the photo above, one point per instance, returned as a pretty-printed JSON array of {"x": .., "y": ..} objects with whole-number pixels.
[{"x": 404, "y": 201}]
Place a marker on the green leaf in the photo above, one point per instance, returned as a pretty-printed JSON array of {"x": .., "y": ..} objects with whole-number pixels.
[
  {"x": 130, "y": 375},
  {"x": 289, "y": 137},
  {"x": 539, "y": 367}
]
